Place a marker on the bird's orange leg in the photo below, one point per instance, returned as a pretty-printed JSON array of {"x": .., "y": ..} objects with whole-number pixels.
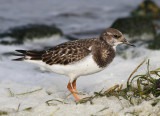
[
  {"x": 71, "y": 90},
  {"x": 74, "y": 85}
]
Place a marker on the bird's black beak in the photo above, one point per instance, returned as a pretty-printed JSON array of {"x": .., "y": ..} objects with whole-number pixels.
[{"x": 128, "y": 43}]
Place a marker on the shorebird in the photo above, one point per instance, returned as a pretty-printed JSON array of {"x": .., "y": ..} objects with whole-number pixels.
[{"x": 77, "y": 58}]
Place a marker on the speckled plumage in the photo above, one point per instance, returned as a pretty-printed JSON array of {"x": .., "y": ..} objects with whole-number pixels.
[
  {"x": 71, "y": 52},
  {"x": 68, "y": 52}
]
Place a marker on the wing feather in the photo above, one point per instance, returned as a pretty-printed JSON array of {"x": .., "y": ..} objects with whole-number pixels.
[{"x": 66, "y": 53}]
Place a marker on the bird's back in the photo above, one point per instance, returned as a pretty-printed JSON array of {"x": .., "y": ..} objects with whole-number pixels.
[{"x": 65, "y": 53}]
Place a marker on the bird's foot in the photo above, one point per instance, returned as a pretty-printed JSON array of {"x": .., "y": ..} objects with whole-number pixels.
[{"x": 72, "y": 91}]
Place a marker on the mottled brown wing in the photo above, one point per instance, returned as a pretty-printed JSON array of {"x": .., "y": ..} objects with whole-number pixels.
[{"x": 66, "y": 53}]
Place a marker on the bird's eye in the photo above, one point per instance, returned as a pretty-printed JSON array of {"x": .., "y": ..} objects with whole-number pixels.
[{"x": 115, "y": 36}]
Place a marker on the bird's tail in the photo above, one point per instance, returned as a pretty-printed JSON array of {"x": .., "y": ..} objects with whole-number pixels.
[{"x": 28, "y": 55}]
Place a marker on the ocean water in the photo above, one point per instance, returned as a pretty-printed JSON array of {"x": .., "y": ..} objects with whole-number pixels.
[{"x": 70, "y": 16}]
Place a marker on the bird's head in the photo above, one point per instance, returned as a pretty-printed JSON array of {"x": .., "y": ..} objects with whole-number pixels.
[{"x": 114, "y": 37}]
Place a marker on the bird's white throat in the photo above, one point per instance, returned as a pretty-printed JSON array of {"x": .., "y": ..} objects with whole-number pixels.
[{"x": 115, "y": 45}]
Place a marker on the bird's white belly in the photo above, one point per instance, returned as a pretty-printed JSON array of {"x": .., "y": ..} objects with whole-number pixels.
[{"x": 85, "y": 66}]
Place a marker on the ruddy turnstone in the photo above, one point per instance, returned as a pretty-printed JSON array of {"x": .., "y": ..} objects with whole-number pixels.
[{"x": 77, "y": 58}]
